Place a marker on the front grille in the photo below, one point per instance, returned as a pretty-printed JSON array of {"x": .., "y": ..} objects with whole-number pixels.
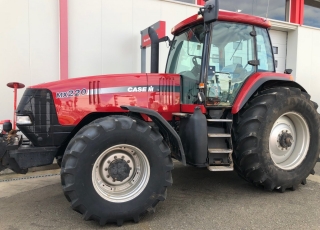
[{"x": 45, "y": 129}]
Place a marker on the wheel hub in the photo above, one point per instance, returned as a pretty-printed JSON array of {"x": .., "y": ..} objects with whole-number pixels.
[
  {"x": 120, "y": 173},
  {"x": 289, "y": 140},
  {"x": 119, "y": 170},
  {"x": 285, "y": 140}
]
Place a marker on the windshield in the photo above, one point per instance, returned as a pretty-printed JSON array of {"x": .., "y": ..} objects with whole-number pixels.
[{"x": 186, "y": 52}]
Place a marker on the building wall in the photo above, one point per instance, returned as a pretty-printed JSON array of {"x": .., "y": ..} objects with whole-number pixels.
[
  {"x": 29, "y": 46},
  {"x": 104, "y": 36},
  {"x": 308, "y": 59}
]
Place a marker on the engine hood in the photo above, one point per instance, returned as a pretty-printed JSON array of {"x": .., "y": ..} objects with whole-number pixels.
[{"x": 77, "y": 97}]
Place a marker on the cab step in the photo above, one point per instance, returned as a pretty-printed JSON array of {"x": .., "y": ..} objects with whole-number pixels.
[
  {"x": 219, "y": 135},
  {"x": 228, "y": 151},
  {"x": 218, "y": 168},
  {"x": 219, "y": 120}
]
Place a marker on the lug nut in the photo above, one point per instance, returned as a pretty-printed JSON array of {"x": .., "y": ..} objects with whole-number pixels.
[
  {"x": 122, "y": 157},
  {"x": 128, "y": 161},
  {"x": 108, "y": 176},
  {"x": 115, "y": 157},
  {"x": 106, "y": 169},
  {"x": 109, "y": 162}
]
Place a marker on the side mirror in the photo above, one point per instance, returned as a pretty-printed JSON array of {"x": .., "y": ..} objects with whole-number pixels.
[
  {"x": 210, "y": 11},
  {"x": 288, "y": 71}
]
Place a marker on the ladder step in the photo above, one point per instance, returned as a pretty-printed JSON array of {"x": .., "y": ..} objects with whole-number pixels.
[
  {"x": 220, "y": 150},
  {"x": 219, "y": 120},
  {"x": 220, "y": 168},
  {"x": 181, "y": 114},
  {"x": 219, "y": 135}
]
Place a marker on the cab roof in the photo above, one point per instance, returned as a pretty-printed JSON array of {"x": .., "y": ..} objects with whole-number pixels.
[{"x": 223, "y": 16}]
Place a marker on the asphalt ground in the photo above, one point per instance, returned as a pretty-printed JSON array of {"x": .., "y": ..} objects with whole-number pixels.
[{"x": 198, "y": 199}]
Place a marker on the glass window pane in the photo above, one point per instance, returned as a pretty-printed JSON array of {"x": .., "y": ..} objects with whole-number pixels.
[
  {"x": 264, "y": 54},
  {"x": 277, "y": 8},
  {"x": 187, "y": 1},
  {"x": 311, "y": 13},
  {"x": 231, "y": 49}
]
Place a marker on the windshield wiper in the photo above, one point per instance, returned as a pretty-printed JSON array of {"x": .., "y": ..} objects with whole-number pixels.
[
  {"x": 193, "y": 35},
  {"x": 236, "y": 50}
]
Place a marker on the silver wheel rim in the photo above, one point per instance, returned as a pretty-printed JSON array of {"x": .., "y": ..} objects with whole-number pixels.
[
  {"x": 294, "y": 126},
  {"x": 121, "y": 191}
]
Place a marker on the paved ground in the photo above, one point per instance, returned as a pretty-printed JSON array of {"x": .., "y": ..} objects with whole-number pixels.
[{"x": 199, "y": 199}]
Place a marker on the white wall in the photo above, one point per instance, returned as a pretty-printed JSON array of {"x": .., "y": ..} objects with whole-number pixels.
[
  {"x": 29, "y": 46},
  {"x": 308, "y": 60},
  {"x": 104, "y": 35}
]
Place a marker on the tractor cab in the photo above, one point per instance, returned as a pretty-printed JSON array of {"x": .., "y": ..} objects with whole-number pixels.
[{"x": 217, "y": 57}]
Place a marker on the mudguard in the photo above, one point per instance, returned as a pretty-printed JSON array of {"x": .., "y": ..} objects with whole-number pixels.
[
  {"x": 164, "y": 127},
  {"x": 253, "y": 83}
]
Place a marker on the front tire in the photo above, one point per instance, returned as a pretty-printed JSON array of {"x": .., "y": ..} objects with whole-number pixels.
[
  {"x": 276, "y": 137},
  {"x": 115, "y": 169}
]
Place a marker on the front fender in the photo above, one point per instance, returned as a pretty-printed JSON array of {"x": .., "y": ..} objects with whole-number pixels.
[
  {"x": 164, "y": 127},
  {"x": 253, "y": 83}
]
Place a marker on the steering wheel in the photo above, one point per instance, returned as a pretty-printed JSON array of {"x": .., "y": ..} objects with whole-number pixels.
[{"x": 194, "y": 60}]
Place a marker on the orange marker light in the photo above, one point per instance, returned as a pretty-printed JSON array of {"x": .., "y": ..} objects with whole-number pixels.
[{"x": 201, "y": 86}]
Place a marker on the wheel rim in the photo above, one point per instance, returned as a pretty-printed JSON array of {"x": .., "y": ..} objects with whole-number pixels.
[
  {"x": 120, "y": 173},
  {"x": 289, "y": 140}
]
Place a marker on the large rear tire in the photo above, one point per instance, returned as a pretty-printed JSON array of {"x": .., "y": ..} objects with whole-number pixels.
[
  {"x": 115, "y": 169},
  {"x": 276, "y": 137}
]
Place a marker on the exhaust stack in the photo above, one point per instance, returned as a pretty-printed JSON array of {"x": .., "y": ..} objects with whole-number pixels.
[{"x": 154, "y": 50}]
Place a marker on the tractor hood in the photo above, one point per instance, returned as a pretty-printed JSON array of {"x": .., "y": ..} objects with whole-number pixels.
[{"x": 77, "y": 97}]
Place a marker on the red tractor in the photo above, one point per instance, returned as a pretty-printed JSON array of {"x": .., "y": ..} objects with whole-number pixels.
[{"x": 220, "y": 104}]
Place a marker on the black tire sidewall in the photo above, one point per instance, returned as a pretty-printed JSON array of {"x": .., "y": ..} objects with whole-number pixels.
[
  {"x": 83, "y": 175},
  {"x": 282, "y": 105}
]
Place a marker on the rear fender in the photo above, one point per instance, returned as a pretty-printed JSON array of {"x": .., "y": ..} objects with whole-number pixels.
[
  {"x": 164, "y": 127},
  {"x": 262, "y": 80}
]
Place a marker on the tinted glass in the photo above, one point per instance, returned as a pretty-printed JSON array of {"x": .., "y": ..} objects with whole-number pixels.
[
  {"x": 185, "y": 58},
  {"x": 232, "y": 47},
  {"x": 311, "y": 13},
  {"x": 264, "y": 51},
  {"x": 187, "y": 1},
  {"x": 277, "y": 8}
]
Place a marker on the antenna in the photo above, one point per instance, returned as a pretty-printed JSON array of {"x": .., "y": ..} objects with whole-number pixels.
[{"x": 267, "y": 10}]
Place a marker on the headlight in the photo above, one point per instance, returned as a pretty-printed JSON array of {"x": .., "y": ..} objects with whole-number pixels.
[{"x": 24, "y": 120}]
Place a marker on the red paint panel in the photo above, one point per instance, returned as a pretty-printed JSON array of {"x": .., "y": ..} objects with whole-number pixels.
[
  {"x": 251, "y": 82},
  {"x": 200, "y": 2},
  {"x": 64, "y": 54},
  {"x": 189, "y": 108},
  {"x": 297, "y": 11},
  {"x": 166, "y": 100},
  {"x": 105, "y": 93},
  {"x": 160, "y": 28},
  {"x": 223, "y": 16}
]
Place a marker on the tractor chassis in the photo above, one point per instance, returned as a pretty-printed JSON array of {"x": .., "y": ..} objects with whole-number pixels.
[{"x": 19, "y": 158}]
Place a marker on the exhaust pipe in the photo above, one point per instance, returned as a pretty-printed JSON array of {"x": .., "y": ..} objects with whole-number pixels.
[{"x": 154, "y": 50}]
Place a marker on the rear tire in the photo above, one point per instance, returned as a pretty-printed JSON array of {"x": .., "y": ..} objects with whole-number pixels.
[
  {"x": 115, "y": 169},
  {"x": 276, "y": 136}
]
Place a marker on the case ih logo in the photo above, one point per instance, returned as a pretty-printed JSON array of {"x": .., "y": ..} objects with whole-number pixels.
[{"x": 141, "y": 89}]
